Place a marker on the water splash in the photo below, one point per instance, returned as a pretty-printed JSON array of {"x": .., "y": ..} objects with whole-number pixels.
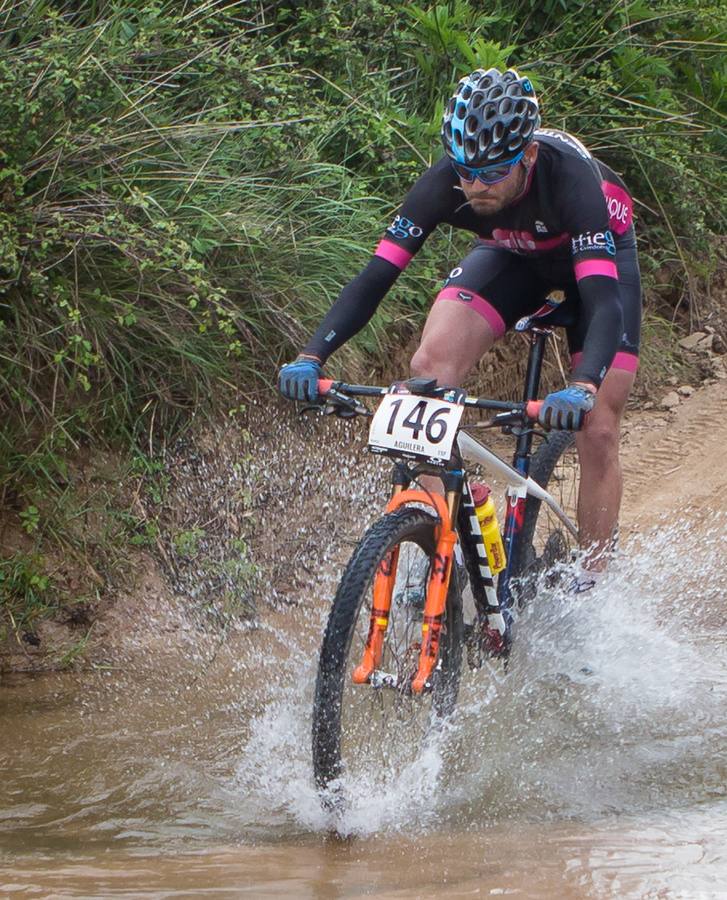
[{"x": 642, "y": 728}]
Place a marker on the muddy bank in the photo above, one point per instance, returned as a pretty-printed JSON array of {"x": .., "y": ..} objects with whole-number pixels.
[{"x": 255, "y": 510}]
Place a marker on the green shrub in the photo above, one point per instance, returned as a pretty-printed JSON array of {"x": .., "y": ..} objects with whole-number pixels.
[{"x": 184, "y": 187}]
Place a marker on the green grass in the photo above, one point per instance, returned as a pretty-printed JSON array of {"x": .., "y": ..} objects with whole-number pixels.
[{"x": 185, "y": 188}]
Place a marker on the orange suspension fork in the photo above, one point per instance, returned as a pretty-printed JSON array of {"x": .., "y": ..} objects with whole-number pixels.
[
  {"x": 380, "y": 607},
  {"x": 435, "y": 603}
]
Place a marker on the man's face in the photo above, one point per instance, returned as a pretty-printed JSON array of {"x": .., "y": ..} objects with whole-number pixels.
[{"x": 487, "y": 199}]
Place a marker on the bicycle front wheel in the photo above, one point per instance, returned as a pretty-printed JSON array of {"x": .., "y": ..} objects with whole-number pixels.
[
  {"x": 544, "y": 543},
  {"x": 369, "y": 733}
]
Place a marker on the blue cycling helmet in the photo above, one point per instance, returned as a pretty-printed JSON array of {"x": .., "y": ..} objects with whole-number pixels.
[{"x": 490, "y": 118}]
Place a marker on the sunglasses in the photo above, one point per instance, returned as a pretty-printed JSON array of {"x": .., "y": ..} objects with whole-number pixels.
[{"x": 487, "y": 174}]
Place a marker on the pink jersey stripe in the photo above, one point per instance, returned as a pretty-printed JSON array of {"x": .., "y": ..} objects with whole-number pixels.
[
  {"x": 394, "y": 254},
  {"x": 628, "y": 362},
  {"x": 587, "y": 267},
  {"x": 478, "y": 304},
  {"x": 524, "y": 241}
]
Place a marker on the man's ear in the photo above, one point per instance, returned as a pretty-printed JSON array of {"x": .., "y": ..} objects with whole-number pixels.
[{"x": 531, "y": 154}]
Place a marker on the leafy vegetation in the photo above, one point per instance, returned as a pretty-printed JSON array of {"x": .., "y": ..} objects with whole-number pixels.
[{"x": 185, "y": 187}]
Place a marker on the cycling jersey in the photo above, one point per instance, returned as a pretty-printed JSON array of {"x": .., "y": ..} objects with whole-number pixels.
[{"x": 571, "y": 226}]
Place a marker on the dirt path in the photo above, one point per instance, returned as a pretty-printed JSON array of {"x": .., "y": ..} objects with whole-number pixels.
[{"x": 676, "y": 460}]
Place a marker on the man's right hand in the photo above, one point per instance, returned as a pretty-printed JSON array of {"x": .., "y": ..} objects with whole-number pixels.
[{"x": 299, "y": 380}]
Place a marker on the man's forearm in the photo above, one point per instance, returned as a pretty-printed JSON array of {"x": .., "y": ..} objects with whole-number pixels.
[{"x": 353, "y": 309}]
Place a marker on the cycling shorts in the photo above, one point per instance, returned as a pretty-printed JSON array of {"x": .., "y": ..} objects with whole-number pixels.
[{"x": 504, "y": 287}]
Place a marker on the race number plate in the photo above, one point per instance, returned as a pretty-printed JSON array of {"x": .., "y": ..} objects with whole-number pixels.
[{"x": 415, "y": 427}]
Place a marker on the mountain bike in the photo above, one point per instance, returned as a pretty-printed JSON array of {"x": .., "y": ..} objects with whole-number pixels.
[{"x": 419, "y": 598}]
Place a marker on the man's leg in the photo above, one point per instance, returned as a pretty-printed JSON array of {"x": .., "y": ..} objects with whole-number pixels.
[
  {"x": 467, "y": 315},
  {"x": 601, "y": 484},
  {"x": 453, "y": 340},
  {"x": 455, "y": 337}
]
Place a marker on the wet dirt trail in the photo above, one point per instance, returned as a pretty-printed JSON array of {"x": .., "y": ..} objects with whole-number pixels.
[{"x": 184, "y": 770}]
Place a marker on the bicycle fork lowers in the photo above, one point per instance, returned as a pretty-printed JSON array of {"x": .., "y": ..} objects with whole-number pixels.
[{"x": 455, "y": 506}]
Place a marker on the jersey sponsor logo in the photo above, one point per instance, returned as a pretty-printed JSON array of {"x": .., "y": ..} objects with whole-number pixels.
[
  {"x": 541, "y": 227},
  {"x": 402, "y": 228},
  {"x": 518, "y": 241},
  {"x": 455, "y": 273},
  {"x": 461, "y": 295},
  {"x": 619, "y": 205},
  {"x": 618, "y": 211},
  {"x": 566, "y": 139},
  {"x": 523, "y": 242},
  {"x": 595, "y": 242}
]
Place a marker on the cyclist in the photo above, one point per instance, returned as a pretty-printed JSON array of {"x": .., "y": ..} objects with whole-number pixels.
[{"x": 547, "y": 215}]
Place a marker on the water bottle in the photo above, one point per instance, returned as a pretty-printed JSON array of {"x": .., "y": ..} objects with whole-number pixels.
[{"x": 487, "y": 517}]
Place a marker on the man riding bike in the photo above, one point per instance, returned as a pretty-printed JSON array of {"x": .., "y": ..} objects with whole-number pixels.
[{"x": 547, "y": 215}]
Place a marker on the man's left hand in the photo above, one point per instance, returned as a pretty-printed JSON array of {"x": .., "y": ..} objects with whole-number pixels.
[{"x": 566, "y": 410}]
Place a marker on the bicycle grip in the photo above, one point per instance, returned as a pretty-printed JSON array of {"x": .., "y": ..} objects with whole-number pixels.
[
  {"x": 532, "y": 409},
  {"x": 324, "y": 386}
]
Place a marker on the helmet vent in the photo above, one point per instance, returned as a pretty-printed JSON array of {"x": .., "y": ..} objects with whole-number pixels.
[
  {"x": 461, "y": 110},
  {"x": 470, "y": 125}
]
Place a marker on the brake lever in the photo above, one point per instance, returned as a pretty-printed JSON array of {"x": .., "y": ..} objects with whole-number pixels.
[
  {"x": 312, "y": 408},
  {"x": 338, "y": 404},
  {"x": 518, "y": 432}
]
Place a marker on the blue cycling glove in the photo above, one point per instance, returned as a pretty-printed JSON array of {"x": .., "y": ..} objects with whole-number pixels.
[
  {"x": 566, "y": 410},
  {"x": 299, "y": 380}
]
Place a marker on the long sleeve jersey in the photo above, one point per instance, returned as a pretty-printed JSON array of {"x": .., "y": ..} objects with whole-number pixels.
[{"x": 571, "y": 214}]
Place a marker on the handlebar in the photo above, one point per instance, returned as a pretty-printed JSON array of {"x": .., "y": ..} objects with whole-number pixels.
[{"x": 506, "y": 412}]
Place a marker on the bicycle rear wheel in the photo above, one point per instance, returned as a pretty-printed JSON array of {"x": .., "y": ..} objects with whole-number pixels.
[
  {"x": 544, "y": 544},
  {"x": 369, "y": 733}
]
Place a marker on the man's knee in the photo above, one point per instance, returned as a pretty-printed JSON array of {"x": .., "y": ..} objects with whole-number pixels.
[
  {"x": 598, "y": 441},
  {"x": 601, "y": 433},
  {"x": 428, "y": 362}
]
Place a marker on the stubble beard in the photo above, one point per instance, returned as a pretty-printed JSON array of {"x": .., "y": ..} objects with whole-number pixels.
[{"x": 489, "y": 204}]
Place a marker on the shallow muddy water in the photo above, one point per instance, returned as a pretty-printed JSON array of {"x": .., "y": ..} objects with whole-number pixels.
[{"x": 186, "y": 771}]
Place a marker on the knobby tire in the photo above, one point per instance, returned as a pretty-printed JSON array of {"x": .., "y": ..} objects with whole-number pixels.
[{"x": 337, "y": 659}]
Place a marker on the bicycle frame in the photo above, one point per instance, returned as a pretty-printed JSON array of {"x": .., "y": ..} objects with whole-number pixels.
[
  {"x": 455, "y": 514},
  {"x": 494, "y": 605}
]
